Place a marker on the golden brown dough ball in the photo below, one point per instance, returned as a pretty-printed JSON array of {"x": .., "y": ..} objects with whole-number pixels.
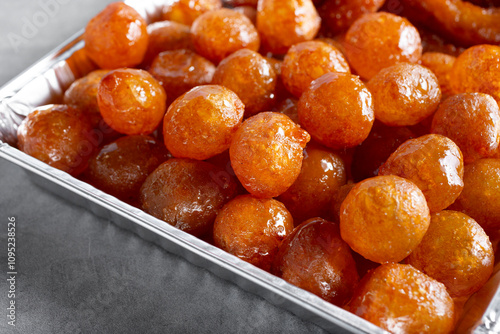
[
  {"x": 472, "y": 121},
  {"x": 186, "y": 11},
  {"x": 440, "y": 64},
  {"x": 338, "y": 15},
  {"x": 266, "y": 153},
  {"x": 202, "y": 122},
  {"x": 121, "y": 167},
  {"x": 59, "y": 135},
  {"x": 384, "y": 218},
  {"x": 434, "y": 163},
  {"x": 315, "y": 258},
  {"x": 252, "y": 229},
  {"x": 337, "y": 110},
  {"x": 218, "y": 33},
  {"x": 131, "y": 101},
  {"x": 307, "y": 61},
  {"x": 404, "y": 94},
  {"x": 83, "y": 94},
  {"x": 282, "y": 24},
  {"x": 116, "y": 37},
  {"x": 480, "y": 198},
  {"x": 322, "y": 174},
  {"x": 251, "y": 77},
  {"x": 166, "y": 36},
  {"x": 477, "y": 70},
  {"x": 455, "y": 251},
  {"x": 401, "y": 299},
  {"x": 379, "y": 40},
  {"x": 187, "y": 194},
  {"x": 180, "y": 70}
]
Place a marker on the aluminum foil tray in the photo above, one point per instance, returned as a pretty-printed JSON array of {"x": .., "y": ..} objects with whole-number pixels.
[{"x": 45, "y": 82}]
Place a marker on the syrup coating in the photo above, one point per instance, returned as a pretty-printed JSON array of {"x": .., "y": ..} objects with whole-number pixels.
[
  {"x": 480, "y": 198},
  {"x": 440, "y": 64},
  {"x": 434, "y": 163},
  {"x": 379, "y": 40},
  {"x": 251, "y": 77},
  {"x": 455, "y": 251},
  {"x": 266, "y": 153},
  {"x": 384, "y": 218},
  {"x": 186, "y": 11},
  {"x": 253, "y": 229},
  {"x": 187, "y": 194},
  {"x": 59, "y": 135},
  {"x": 337, "y": 110},
  {"x": 472, "y": 121},
  {"x": 321, "y": 176},
  {"x": 180, "y": 70},
  {"x": 307, "y": 61},
  {"x": 477, "y": 70},
  {"x": 282, "y": 24},
  {"x": 202, "y": 123},
  {"x": 401, "y": 299},
  {"x": 121, "y": 167},
  {"x": 315, "y": 258},
  {"x": 83, "y": 94},
  {"x": 339, "y": 15},
  {"x": 404, "y": 94},
  {"x": 116, "y": 37},
  {"x": 218, "y": 33},
  {"x": 131, "y": 101},
  {"x": 166, "y": 36}
]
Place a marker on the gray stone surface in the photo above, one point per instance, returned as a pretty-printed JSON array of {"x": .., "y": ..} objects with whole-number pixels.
[{"x": 78, "y": 273}]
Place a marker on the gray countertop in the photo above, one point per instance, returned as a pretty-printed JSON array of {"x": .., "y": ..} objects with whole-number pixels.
[{"x": 79, "y": 273}]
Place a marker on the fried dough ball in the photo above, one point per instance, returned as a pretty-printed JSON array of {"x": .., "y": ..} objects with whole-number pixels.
[
  {"x": 339, "y": 15},
  {"x": 116, "y": 37},
  {"x": 307, "y": 61},
  {"x": 83, "y": 94},
  {"x": 321, "y": 176},
  {"x": 218, "y": 33},
  {"x": 266, "y": 153},
  {"x": 282, "y": 24},
  {"x": 459, "y": 20},
  {"x": 180, "y": 70},
  {"x": 337, "y": 110},
  {"x": 477, "y": 70},
  {"x": 379, "y": 40},
  {"x": 376, "y": 149},
  {"x": 121, "y": 167},
  {"x": 480, "y": 198},
  {"x": 252, "y": 229},
  {"x": 186, "y": 11},
  {"x": 401, "y": 299},
  {"x": 251, "y": 77},
  {"x": 384, "y": 218},
  {"x": 59, "y": 135},
  {"x": 202, "y": 123},
  {"x": 167, "y": 36},
  {"x": 187, "y": 194},
  {"x": 434, "y": 163},
  {"x": 315, "y": 258},
  {"x": 131, "y": 101},
  {"x": 440, "y": 64},
  {"x": 404, "y": 94},
  {"x": 472, "y": 121},
  {"x": 455, "y": 251}
]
